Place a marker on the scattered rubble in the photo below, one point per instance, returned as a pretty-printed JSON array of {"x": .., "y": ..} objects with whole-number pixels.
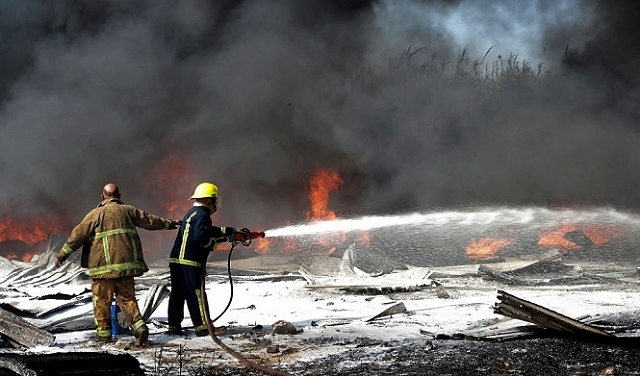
[{"x": 524, "y": 338}]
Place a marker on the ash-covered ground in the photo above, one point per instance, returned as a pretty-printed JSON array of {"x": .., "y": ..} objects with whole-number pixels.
[
  {"x": 535, "y": 356},
  {"x": 358, "y": 312},
  {"x": 448, "y": 327}
]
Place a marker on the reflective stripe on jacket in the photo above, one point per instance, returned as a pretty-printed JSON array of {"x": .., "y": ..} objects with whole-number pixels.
[
  {"x": 116, "y": 249},
  {"x": 196, "y": 238}
]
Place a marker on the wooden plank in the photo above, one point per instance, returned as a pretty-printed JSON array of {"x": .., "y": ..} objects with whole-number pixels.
[{"x": 515, "y": 307}]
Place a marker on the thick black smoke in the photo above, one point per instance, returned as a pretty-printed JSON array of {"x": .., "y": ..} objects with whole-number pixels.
[{"x": 255, "y": 95}]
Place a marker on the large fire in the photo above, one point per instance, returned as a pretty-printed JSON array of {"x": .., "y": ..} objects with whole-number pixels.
[
  {"x": 167, "y": 184},
  {"x": 319, "y": 187},
  {"x": 29, "y": 231},
  {"x": 556, "y": 237}
]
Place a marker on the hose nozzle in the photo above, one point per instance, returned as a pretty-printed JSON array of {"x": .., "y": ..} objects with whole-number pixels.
[{"x": 246, "y": 236}]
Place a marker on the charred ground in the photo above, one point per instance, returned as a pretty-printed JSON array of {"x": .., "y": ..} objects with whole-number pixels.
[{"x": 547, "y": 355}]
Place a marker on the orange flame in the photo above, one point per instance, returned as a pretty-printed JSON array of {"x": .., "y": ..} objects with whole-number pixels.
[
  {"x": 262, "y": 247},
  {"x": 323, "y": 182},
  {"x": 29, "y": 231},
  {"x": 597, "y": 234},
  {"x": 485, "y": 247},
  {"x": 600, "y": 235},
  {"x": 319, "y": 188},
  {"x": 554, "y": 237}
]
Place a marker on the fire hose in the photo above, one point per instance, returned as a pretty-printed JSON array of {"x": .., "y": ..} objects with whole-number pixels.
[{"x": 243, "y": 237}]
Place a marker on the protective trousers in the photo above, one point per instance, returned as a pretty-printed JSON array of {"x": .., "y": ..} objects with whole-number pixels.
[
  {"x": 124, "y": 290},
  {"x": 185, "y": 286}
]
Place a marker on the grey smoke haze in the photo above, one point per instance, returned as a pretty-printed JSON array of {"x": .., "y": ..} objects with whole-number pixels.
[{"x": 255, "y": 95}]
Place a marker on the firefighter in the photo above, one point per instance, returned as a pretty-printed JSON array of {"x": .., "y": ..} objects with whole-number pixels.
[
  {"x": 195, "y": 239},
  {"x": 114, "y": 258}
]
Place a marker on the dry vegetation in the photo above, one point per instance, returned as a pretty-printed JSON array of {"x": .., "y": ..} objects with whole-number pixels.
[{"x": 501, "y": 72}]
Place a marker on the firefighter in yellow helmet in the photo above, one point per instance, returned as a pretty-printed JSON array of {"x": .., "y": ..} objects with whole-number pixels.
[
  {"x": 115, "y": 258},
  {"x": 195, "y": 239}
]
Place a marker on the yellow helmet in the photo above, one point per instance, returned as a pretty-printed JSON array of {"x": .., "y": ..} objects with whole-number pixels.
[{"x": 205, "y": 190}]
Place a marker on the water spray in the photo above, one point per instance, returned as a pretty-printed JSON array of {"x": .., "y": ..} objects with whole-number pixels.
[
  {"x": 347, "y": 225},
  {"x": 447, "y": 237},
  {"x": 530, "y": 217},
  {"x": 449, "y": 225}
]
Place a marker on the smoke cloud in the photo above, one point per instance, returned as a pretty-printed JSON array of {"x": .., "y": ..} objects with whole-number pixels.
[{"x": 160, "y": 95}]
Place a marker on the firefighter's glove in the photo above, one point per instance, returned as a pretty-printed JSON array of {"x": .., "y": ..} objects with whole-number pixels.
[
  {"x": 58, "y": 262},
  {"x": 174, "y": 224}
]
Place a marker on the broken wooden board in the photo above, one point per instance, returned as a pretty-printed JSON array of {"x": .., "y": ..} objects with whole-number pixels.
[
  {"x": 517, "y": 308},
  {"x": 21, "y": 333}
]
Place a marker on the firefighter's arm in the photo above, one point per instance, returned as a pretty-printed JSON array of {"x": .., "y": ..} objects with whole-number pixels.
[
  {"x": 80, "y": 234},
  {"x": 64, "y": 254},
  {"x": 152, "y": 222},
  {"x": 211, "y": 245}
]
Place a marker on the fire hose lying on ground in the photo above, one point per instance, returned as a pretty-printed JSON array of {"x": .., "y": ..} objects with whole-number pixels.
[{"x": 243, "y": 237}]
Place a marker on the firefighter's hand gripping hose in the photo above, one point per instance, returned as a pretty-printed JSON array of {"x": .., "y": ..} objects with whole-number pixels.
[{"x": 243, "y": 237}]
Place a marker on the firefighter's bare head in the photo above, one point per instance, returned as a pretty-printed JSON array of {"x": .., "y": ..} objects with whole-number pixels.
[{"x": 110, "y": 191}]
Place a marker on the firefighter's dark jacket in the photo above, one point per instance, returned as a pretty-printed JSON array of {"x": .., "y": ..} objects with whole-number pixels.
[
  {"x": 196, "y": 238},
  {"x": 110, "y": 229}
]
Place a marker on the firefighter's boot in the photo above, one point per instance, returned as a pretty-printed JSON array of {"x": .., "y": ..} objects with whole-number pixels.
[{"x": 142, "y": 337}]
